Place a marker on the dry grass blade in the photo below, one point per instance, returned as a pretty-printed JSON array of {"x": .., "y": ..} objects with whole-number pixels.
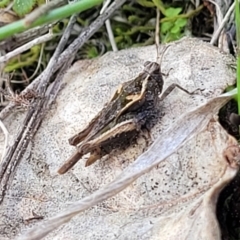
[
  {"x": 157, "y": 33},
  {"x": 30, "y": 18},
  {"x": 109, "y": 28},
  {"x": 27, "y": 46},
  {"x": 224, "y": 21},
  {"x": 6, "y": 134}
]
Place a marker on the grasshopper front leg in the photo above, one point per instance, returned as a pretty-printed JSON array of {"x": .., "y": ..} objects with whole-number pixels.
[{"x": 172, "y": 87}]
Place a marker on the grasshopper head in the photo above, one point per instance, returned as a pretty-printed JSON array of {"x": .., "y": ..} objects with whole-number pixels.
[{"x": 152, "y": 67}]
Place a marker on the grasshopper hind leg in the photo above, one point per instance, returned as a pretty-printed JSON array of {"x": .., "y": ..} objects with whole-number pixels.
[
  {"x": 70, "y": 162},
  {"x": 94, "y": 156}
]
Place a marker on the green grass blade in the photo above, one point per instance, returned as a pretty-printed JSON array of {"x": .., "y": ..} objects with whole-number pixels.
[{"x": 54, "y": 15}]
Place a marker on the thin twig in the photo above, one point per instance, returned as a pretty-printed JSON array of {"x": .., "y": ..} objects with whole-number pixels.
[
  {"x": 6, "y": 134},
  {"x": 26, "y": 46},
  {"x": 49, "y": 69},
  {"x": 224, "y": 21},
  {"x": 43, "y": 9},
  {"x": 18, "y": 40},
  {"x": 108, "y": 27},
  {"x": 37, "y": 68},
  {"x": 105, "y": 5},
  {"x": 56, "y": 85},
  {"x": 9, "y": 7},
  {"x": 218, "y": 11},
  {"x": 8, "y": 87},
  {"x": 111, "y": 36},
  {"x": 7, "y": 110}
]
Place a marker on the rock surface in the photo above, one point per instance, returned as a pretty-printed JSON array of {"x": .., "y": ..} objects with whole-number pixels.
[{"x": 176, "y": 200}]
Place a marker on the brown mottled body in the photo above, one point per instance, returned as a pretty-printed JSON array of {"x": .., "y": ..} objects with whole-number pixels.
[{"x": 131, "y": 108}]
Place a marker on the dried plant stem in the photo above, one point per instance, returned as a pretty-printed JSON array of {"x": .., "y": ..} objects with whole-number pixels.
[
  {"x": 37, "y": 68},
  {"x": 6, "y": 134},
  {"x": 33, "y": 16},
  {"x": 109, "y": 28},
  {"x": 25, "y": 47},
  {"x": 157, "y": 33},
  {"x": 224, "y": 21}
]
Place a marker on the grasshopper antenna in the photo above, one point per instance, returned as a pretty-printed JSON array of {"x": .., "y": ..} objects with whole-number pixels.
[{"x": 157, "y": 33}]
